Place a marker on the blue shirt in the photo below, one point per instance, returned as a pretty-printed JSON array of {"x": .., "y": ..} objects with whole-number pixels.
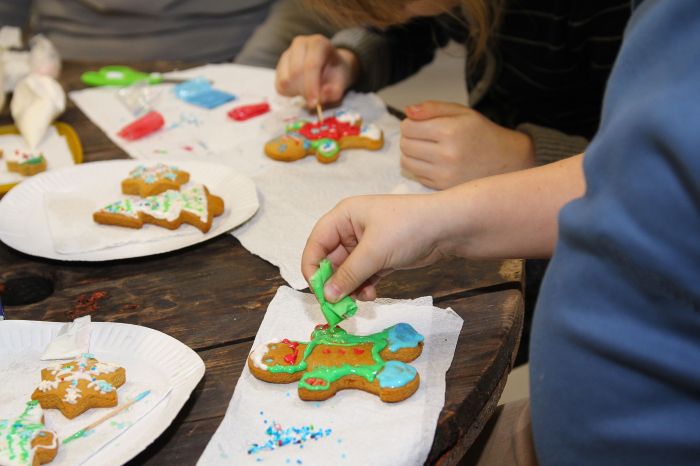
[{"x": 615, "y": 352}]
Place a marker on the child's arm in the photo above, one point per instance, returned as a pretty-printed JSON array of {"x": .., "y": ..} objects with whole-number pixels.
[{"x": 511, "y": 215}]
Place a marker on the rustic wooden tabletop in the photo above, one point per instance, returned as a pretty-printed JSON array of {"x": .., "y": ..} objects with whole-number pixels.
[{"x": 213, "y": 296}]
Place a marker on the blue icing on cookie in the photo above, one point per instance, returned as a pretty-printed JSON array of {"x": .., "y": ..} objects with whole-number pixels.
[
  {"x": 396, "y": 374},
  {"x": 403, "y": 336}
]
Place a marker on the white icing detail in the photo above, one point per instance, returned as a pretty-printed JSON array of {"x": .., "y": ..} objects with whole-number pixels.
[
  {"x": 98, "y": 368},
  {"x": 347, "y": 116},
  {"x": 260, "y": 351},
  {"x": 22, "y": 156},
  {"x": 72, "y": 395},
  {"x": 46, "y": 385},
  {"x": 169, "y": 205},
  {"x": 372, "y": 132}
]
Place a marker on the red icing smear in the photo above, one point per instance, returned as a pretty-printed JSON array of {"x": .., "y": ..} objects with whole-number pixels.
[
  {"x": 330, "y": 128},
  {"x": 293, "y": 345},
  {"x": 358, "y": 350},
  {"x": 245, "y": 112},
  {"x": 315, "y": 381},
  {"x": 147, "y": 124}
]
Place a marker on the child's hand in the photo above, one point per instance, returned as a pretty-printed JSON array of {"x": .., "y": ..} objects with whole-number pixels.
[
  {"x": 445, "y": 144},
  {"x": 368, "y": 237},
  {"x": 313, "y": 68}
]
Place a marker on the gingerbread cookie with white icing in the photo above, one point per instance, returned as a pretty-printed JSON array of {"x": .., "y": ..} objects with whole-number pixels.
[
  {"x": 334, "y": 360},
  {"x": 76, "y": 386},
  {"x": 325, "y": 139},
  {"x": 149, "y": 181},
  {"x": 26, "y": 163},
  {"x": 194, "y": 206},
  {"x": 25, "y": 441}
]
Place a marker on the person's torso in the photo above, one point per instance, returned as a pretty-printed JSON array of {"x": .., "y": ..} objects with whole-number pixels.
[
  {"x": 136, "y": 30},
  {"x": 615, "y": 347}
]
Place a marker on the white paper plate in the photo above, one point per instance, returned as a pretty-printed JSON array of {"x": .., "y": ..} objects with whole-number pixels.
[
  {"x": 24, "y": 224},
  {"x": 110, "y": 342}
]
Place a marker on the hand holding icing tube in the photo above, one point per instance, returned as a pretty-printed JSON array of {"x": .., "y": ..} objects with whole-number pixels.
[{"x": 333, "y": 312}]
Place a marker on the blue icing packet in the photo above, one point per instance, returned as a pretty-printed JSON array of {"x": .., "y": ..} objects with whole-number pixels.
[
  {"x": 403, "y": 336},
  {"x": 199, "y": 92},
  {"x": 396, "y": 374}
]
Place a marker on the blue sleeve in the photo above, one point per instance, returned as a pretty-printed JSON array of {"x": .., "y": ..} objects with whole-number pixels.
[{"x": 615, "y": 349}]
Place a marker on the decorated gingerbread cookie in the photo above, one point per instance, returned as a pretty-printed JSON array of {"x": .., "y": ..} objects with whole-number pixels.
[
  {"x": 194, "y": 206},
  {"x": 334, "y": 360},
  {"x": 26, "y": 163},
  {"x": 25, "y": 441},
  {"x": 76, "y": 386},
  {"x": 325, "y": 139},
  {"x": 148, "y": 181}
]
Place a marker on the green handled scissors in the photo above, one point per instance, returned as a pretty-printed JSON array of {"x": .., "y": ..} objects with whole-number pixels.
[{"x": 119, "y": 75}]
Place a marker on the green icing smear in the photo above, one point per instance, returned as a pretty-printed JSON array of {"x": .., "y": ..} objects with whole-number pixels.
[
  {"x": 326, "y": 335},
  {"x": 333, "y": 312},
  {"x": 19, "y": 434}
]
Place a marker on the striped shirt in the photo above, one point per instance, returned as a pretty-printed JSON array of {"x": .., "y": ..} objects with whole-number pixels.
[{"x": 552, "y": 59}]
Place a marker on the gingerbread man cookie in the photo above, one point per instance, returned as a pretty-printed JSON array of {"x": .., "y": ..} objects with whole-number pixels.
[
  {"x": 148, "y": 181},
  {"x": 76, "y": 386},
  {"x": 325, "y": 139},
  {"x": 194, "y": 206},
  {"x": 334, "y": 360},
  {"x": 26, "y": 163},
  {"x": 24, "y": 440}
]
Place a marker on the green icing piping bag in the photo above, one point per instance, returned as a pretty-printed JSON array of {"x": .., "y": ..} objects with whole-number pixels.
[{"x": 334, "y": 313}]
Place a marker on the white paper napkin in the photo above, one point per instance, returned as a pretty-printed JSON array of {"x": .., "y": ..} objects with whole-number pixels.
[
  {"x": 72, "y": 340},
  {"x": 294, "y": 195},
  {"x": 363, "y": 429}
]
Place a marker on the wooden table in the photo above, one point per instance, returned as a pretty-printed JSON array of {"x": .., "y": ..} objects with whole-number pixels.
[{"x": 213, "y": 296}]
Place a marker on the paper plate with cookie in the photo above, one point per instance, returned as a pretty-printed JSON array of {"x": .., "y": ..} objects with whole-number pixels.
[
  {"x": 100, "y": 407},
  {"x": 18, "y": 162},
  {"x": 120, "y": 209}
]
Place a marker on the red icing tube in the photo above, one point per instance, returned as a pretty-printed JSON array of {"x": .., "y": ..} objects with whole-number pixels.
[
  {"x": 147, "y": 124},
  {"x": 244, "y": 112}
]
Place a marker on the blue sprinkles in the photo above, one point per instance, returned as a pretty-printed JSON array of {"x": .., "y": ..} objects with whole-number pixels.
[{"x": 279, "y": 437}]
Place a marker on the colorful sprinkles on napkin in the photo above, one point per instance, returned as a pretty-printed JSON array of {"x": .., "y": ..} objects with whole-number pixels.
[{"x": 279, "y": 436}]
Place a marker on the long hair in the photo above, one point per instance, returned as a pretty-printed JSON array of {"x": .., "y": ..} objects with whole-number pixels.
[{"x": 481, "y": 16}]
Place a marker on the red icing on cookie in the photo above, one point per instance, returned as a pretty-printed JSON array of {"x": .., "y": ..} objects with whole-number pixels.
[{"x": 330, "y": 128}]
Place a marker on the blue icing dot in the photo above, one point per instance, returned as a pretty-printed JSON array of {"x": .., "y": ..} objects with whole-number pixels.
[
  {"x": 104, "y": 386},
  {"x": 396, "y": 374},
  {"x": 403, "y": 336},
  {"x": 283, "y": 148}
]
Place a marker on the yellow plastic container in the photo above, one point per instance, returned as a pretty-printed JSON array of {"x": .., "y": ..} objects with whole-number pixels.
[{"x": 65, "y": 130}]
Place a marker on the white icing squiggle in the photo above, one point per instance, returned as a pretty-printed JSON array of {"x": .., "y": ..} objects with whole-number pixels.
[
  {"x": 72, "y": 395},
  {"x": 371, "y": 131},
  {"x": 46, "y": 385},
  {"x": 260, "y": 351},
  {"x": 347, "y": 116}
]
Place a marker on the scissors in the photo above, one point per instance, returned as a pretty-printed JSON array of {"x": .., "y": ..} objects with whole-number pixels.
[{"x": 120, "y": 75}]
